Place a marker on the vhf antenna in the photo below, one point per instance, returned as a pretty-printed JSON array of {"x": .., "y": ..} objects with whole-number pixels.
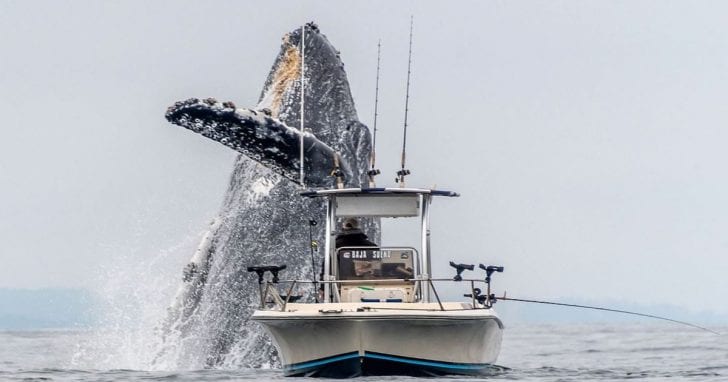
[
  {"x": 303, "y": 57},
  {"x": 404, "y": 172},
  {"x": 373, "y": 171}
]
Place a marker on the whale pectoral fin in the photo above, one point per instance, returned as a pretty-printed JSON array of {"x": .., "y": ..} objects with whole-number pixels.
[{"x": 259, "y": 137}]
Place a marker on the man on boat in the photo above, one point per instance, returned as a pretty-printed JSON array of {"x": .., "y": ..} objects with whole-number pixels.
[{"x": 352, "y": 236}]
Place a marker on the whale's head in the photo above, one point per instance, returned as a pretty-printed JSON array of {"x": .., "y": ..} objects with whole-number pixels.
[{"x": 269, "y": 133}]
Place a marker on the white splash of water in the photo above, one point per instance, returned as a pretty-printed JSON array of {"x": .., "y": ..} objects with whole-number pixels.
[{"x": 133, "y": 294}]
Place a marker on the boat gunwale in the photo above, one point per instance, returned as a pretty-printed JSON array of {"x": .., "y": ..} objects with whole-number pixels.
[{"x": 266, "y": 316}]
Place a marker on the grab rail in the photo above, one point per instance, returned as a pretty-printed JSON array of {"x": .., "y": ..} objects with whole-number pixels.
[{"x": 268, "y": 289}]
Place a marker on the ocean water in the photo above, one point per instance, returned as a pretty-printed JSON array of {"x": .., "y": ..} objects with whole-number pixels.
[{"x": 563, "y": 352}]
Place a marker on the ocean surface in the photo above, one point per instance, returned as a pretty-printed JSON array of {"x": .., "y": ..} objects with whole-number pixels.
[{"x": 562, "y": 352}]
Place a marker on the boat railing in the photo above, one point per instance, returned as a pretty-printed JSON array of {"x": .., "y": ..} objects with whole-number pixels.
[{"x": 272, "y": 299}]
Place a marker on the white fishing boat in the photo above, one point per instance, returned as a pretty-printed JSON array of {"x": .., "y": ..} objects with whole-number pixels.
[{"x": 380, "y": 312}]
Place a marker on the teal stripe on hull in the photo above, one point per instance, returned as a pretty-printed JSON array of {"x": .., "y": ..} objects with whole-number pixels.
[
  {"x": 424, "y": 362},
  {"x": 321, "y": 361},
  {"x": 352, "y": 364}
]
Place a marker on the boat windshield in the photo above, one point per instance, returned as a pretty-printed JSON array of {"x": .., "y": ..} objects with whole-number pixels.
[{"x": 368, "y": 263}]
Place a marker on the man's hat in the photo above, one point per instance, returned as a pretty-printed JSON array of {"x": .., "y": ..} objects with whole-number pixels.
[{"x": 350, "y": 223}]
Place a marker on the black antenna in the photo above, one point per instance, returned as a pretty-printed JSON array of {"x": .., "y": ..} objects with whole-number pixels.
[
  {"x": 404, "y": 172},
  {"x": 314, "y": 247},
  {"x": 373, "y": 171}
]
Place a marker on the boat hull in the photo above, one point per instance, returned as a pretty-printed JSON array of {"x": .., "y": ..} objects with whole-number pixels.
[
  {"x": 372, "y": 364},
  {"x": 338, "y": 342}
]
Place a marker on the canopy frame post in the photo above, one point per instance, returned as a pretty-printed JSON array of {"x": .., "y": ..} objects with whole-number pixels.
[{"x": 329, "y": 248}]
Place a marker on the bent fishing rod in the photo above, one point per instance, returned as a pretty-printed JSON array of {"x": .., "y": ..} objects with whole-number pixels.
[
  {"x": 488, "y": 299},
  {"x": 504, "y": 298}
]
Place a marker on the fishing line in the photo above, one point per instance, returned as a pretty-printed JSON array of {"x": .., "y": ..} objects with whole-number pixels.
[{"x": 606, "y": 310}]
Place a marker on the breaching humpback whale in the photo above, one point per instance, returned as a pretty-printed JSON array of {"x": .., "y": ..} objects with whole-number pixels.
[{"x": 263, "y": 220}]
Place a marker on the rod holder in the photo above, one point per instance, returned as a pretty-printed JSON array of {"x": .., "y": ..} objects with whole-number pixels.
[
  {"x": 459, "y": 268},
  {"x": 262, "y": 269},
  {"x": 489, "y": 270},
  {"x": 477, "y": 295}
]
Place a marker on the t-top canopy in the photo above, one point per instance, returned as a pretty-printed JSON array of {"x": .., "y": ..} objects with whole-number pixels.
[
  {"x": 376, "y": 202},
  {"x": 378, "y": 191}
]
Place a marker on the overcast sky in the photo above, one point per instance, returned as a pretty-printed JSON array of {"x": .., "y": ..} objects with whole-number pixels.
[{"x": 588, "y": 139}]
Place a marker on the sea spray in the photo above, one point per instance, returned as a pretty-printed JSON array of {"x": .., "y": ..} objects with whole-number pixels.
[{"x": 131, "y": 294}]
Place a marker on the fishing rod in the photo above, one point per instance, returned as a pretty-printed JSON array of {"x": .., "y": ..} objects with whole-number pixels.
[
  {"x": 488, "y": 299},
  {"x": 373, "y": 171},
  {"x": 504, "y": 298},
  {"x": 404, "y": 172}
]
